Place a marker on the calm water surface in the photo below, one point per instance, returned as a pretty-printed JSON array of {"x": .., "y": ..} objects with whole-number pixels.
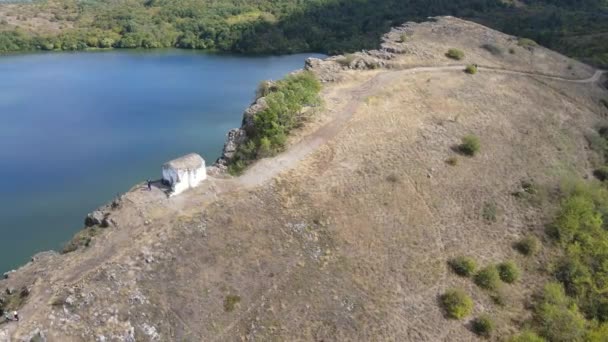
[{"x": 75, "y": 129}]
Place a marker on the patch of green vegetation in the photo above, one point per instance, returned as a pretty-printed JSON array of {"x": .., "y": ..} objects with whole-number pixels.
[
  {"x": 457, "y": 304},
  {"x": 493, "y": 49},
  {"x": 471, "y": 69},
  {"x": 455, "y": 54},
  {"x": 529, "y": 245},
  {"x": 470, "y": 145},
  {"x": 508, "y": 271},
  {"x": 483, "y": 326},
  {"x": 403, "y": 37},
  {"x": 463, "y": 266},
  {"x": 231, "y": 302},
  {"x": 82, "y": 239},
  {"x": 512, "y": 51},
  {"x": 488, "y": 278},
  {"x": 556, "y": 319},
  {"x": 285, "y": 101},
  {"x": 604, "y": 103},
  {"x": 526, "y": 336},
  {"x": 527, "y": 43},
  {"x": 489, "y": 212},
  {"x": 287, "y": 26}
]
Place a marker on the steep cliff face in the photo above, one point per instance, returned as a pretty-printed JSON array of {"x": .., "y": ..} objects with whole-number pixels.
[{"x": 346, "y": 234}]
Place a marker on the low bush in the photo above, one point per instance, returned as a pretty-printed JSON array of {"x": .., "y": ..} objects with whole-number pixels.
[
  {"x": 483, "y": 326},
  {"x": 455, "y": 54},
  {"x": 493, "y": 49},
  {"x": 470, "y": 145},
  {"x": 526, "y": 336},
  {"x": 604, "y": 102},
  {"x": 528, "y": 245},
  {"x": 488, "y": 278},
  {"x": 463, "y": 266},
  {"x": 489, "y": 212},
  {"x": 456, "y": 303},
  {"x": 403, "y": 37},
  {"x": 558, "y": 322},
  {"x": 230, "y": 302},
  {"x": 526, "y": 43},
  {"x": 508, "y": 271},
  {"x": 471, "y": 69},
  {"x": 82, "y": 239}
]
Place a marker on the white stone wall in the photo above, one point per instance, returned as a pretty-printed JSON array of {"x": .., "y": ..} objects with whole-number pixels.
[{"x": 184, "y": 179}]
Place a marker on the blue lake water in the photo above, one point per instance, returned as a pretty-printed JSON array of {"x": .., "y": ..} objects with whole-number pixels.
[{"x": 78, "y": 128}]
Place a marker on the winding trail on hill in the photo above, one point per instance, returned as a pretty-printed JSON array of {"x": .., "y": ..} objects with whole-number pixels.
[{"x": 266, "y": 169}]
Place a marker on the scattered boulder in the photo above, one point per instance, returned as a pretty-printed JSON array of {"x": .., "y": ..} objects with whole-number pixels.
[
  {"x": 107, "y": 222},
  {"x": 248, "y": 124},
  {"x": 325, "y": 70},
  {"x": 10, "y": 290},
  {"x": 93, "y": 219},
  {"x": 8, "y": 274},
  {"x": 236, "y": 136},
  {"x": 25, "y": 291}
]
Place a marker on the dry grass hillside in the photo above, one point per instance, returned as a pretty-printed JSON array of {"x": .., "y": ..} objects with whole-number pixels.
[{"x": 349, "y": 240}]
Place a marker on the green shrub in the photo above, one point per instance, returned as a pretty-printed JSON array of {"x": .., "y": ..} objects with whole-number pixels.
[
  {"x": 604, "y": 102},
  {"x": 489, "y": 212},
  {"x": 403, "y": 37},
  {"x": 265, "y": 148},
  {"x": 529, "y": 245},
  {"x": 493, "y": 49},
  {"x": 455, "y": 54},
  {"x": 230, "y": 302},
  {"x": 470, "y": 145},
  {"x": 556, "y": 319},
  {"x": 471, "y": 69},
  {"x": 82, "y": 239},
  {"x": 508, "y": 271},
  {"x": 512, "y": 51},
  {"x": 560, "y": 324},
  {"x": 456, "y": 303},
  {"x": 237, "y": 168},
  {"x": 527, "y": 43},
  {"x": 483, "y": 326},
  {"x": 526, "y": 336},
  {"x": 463, "y": 266},
  {"x": 488, "y": 278},
  {"x": 598, "y": 333}
]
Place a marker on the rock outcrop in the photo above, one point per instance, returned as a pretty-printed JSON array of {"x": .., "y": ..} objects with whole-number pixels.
[{"x": 238, "y": 136}]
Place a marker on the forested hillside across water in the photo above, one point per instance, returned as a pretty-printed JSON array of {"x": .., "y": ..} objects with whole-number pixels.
[{"x": 578, "y": 28}]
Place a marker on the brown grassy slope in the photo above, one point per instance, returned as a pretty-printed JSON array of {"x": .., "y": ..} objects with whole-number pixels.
[{"x": 352, "y": 243}]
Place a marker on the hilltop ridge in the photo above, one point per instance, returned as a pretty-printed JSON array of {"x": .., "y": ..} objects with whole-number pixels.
[{"x": 346, "y": 234}]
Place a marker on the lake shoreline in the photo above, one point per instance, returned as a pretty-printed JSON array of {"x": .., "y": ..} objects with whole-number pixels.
[{"x": 203, "y": 95}]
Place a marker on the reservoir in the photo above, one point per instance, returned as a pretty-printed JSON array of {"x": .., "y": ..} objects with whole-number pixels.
[{"x": 78, "y": 128}]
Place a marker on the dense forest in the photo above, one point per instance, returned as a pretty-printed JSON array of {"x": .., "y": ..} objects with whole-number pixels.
[{"x": 576, "y": 27}]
